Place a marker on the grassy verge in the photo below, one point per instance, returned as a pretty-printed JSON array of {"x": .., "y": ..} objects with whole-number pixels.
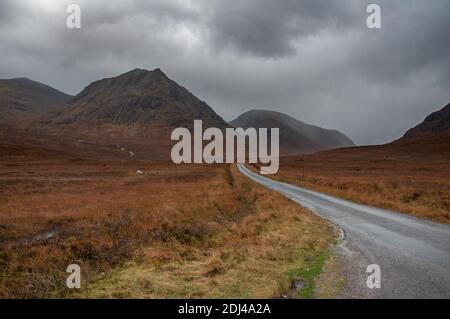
[{"x": 304, "y": 273}]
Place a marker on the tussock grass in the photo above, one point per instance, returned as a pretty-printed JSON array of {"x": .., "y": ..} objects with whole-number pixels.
[
  {"x": 174, "y": 231},
  {"x": 412, "y": 183}
]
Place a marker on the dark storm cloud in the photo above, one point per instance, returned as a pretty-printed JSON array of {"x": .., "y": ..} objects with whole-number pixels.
[
  {"x": 269, "y": 28},
  {"x": 315, "y": 60}
]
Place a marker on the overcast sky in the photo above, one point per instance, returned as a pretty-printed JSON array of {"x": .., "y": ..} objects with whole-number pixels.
[{"x": 315, "y": 60}]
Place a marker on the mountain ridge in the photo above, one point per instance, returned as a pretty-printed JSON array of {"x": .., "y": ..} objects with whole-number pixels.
[
  {"x": 23, "y": 100},
  {"x": 434, "y": 123},
  {"x": 296, "y": 137}
]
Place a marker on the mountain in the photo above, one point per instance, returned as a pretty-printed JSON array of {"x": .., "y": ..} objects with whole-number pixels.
[
  {"x": 436, "y": 123},
  {"x": 22, "y": 100},
  {"x": 295, "y": 137},
  {"x": 136, "y": 111},
  {"x": 430, "y": 136}
]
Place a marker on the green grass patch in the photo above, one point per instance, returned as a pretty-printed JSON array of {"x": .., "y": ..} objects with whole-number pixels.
[{"x": 305, "y": 270}]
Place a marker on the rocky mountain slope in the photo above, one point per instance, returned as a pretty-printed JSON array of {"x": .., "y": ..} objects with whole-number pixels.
[{"x": 136, "y": 111}]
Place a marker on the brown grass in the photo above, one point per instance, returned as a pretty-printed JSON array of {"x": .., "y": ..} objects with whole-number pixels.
[
  {"x": 174, "y": 231},
  {"x": 405, "y": 180}
]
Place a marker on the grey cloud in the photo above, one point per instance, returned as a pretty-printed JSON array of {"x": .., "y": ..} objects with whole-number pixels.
[
  {"x": 269, "y": 28},
  {"x": 413, "y": 41}
]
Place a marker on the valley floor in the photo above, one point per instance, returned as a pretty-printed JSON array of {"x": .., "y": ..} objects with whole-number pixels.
[{"x": 166, "y": 231}]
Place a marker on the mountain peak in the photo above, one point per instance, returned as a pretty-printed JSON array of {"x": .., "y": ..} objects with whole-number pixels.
[
  {"x": 158, "y": 70},
  {"x": 139, "y": 71},
  {"x": 269, "y": 113},
  {"x": 137, "y": 104},
  {"x": 22, "y": 79}
]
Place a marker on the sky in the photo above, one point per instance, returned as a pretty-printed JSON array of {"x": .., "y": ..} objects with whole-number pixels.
[{"x": 315, "y": 60}]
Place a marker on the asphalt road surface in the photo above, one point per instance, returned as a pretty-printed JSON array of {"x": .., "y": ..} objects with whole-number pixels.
[{"x": 413, "y": 254}]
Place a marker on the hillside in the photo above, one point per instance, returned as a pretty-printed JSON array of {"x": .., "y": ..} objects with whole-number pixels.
[
  {"x": 22, "y": 100},
  {"x": 296, "y": 137},
  {"x": 137, "y": 111},
  {"x": 434, "y": 124}
]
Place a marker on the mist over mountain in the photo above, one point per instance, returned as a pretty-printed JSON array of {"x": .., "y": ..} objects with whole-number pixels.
[{"x": 296, "y": 137}]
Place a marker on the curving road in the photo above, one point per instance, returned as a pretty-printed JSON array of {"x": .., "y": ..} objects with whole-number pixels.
[{"x": 413, "y": 254}]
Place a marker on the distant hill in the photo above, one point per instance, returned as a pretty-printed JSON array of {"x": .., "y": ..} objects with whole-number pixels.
[
  {"x": 432, "y": 135},
  {"x": 136, "y": 110},
  {"x": 296, "y": 137},
  {"x": 22, "y": 100},
  {"x": 435, "y": 123}
]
